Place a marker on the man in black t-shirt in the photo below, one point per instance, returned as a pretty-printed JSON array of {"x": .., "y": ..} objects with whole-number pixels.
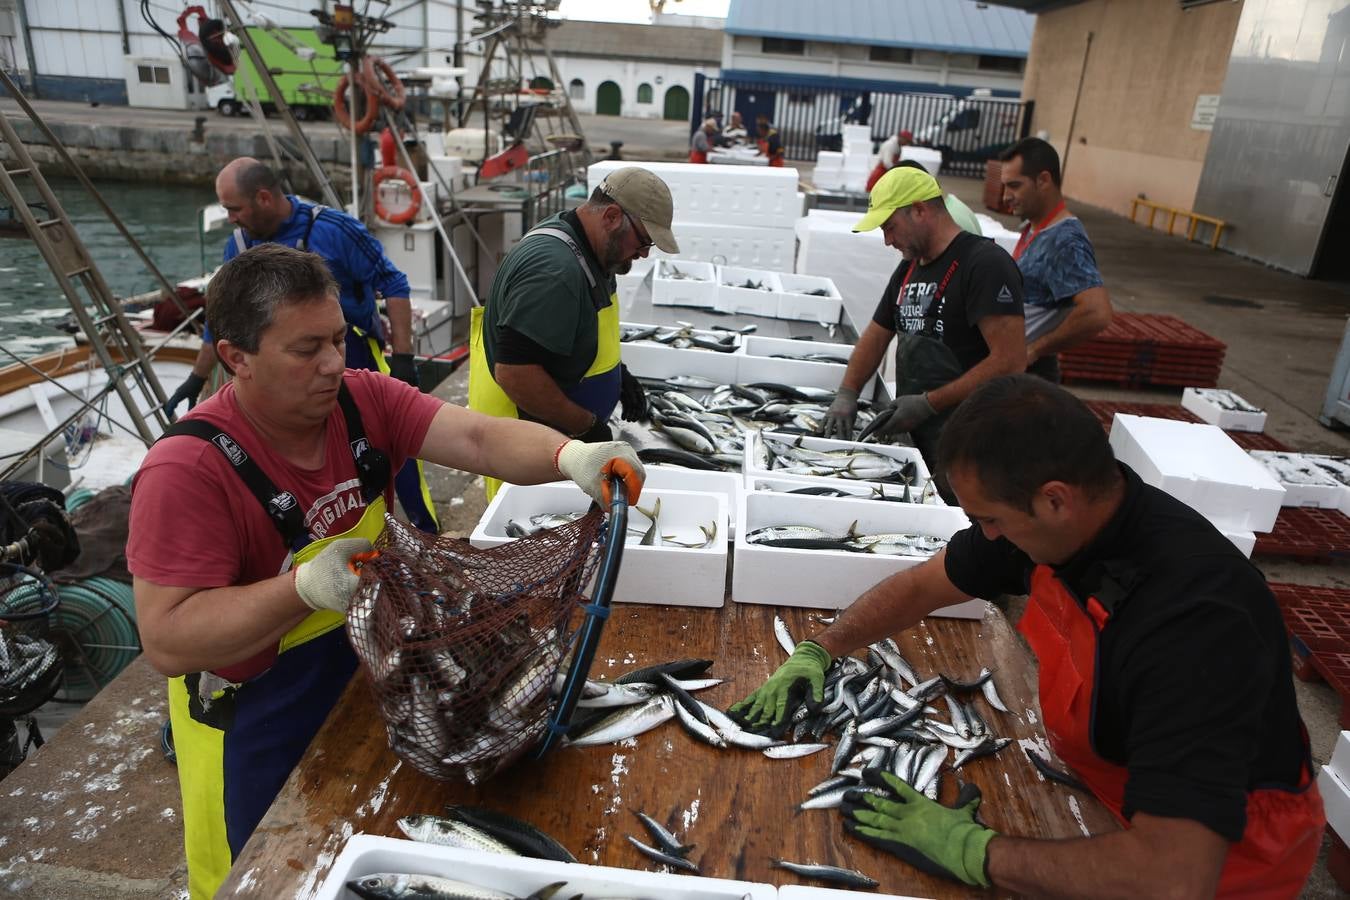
[
  {"x": 954, "y": 304},
  {"x": 1164, "y": 669}
]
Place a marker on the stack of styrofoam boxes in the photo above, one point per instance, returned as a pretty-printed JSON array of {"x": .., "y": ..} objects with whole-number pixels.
[
  {"x": 1334, "y": 783},
  {"x": 1203, "y": 468},
  {"x": 1224, "y": 409},
  {"x": 859, "y": 160},
  {"x": 930, "y": 159},
  {"x": 799, "y": 299},
  {"x": 1309, "y": 479},
  {"x": 828, "y": 579},
  {"x": 829, "y": 171},
  {"x": 684, "y": 282},
  {"x": 660, "y": 573},
  {"x": 734, "y": 297},
  {"x": 733, "y": 215},
  {"x": 858, "y": 264},
  {"x": 519, "y": 876}
]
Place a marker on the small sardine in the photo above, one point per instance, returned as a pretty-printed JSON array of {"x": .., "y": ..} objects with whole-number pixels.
[
  {"x": 665, "y": 840},
  {"x": 833, "y": 874},
  {"x": 665, "y": 859},
  {"x": 794, "y": 751}
]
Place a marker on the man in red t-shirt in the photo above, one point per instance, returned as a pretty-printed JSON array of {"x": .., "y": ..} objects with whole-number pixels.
[{"x": 245, "y": 517}]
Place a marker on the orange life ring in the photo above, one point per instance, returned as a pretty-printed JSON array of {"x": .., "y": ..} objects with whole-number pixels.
[
  {"x": 344, "y": 117},
  {"x": 378, "y": 76},
  {"x": 386, "y": 173}
]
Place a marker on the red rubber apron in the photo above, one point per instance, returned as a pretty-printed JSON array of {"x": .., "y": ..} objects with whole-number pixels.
[
  {"x": 697, "y": 156},
  {"x": 879, "y": 170},
  {"x": 1284, "y": 828}
]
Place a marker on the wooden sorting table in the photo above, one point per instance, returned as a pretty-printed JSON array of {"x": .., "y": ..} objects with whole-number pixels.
[{"x": 736, "y": 806}]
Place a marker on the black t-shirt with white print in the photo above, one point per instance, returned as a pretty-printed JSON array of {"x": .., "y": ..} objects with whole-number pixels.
[{"x": 981, "y": 280}]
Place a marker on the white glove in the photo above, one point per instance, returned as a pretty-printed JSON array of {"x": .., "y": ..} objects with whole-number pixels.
[
  {"x": 591, "y": 465},
  {"x": 328, "y": 581}
]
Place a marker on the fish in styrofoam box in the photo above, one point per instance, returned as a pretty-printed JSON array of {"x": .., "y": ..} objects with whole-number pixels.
[
  {"x": 757, "y": 460},
  {"x": 748, "y": 195},
  {"x": 831, "y": 579},
  {"x": 1224, "y": 408},
  {"x": 677, "y": 478},
  {"x": 788, "y": 348},
  {"x": 1309, "y": 479},
  {"x": 755, "y": 246},
  {"x": 808, "y": 892},
  {"x": 812, "y": 298},
  {"x": 364, "y": 855},
  {"x": 854, "y": 490},
  {"x": 1202, "y": 467},
  {"x": 663, "y": 574},
  {"x": 731, "y": 338},
  {"x": 753, "y": 292},
  {"x": 684, "y": 282}
]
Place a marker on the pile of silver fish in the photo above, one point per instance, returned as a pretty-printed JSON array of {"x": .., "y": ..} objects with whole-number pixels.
[
  {"x": 808, "y": 537},
  {"x": 653, "y": 534},
  {"x": 859, "y": 492},
  {"x": 685, "y": 337},
  {"x": 787, "y": 455}
]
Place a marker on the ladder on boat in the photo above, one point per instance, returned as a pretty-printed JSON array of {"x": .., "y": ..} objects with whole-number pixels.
[{"x": 111, "y": 336}]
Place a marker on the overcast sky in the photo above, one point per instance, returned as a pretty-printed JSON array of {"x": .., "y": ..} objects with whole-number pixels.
[{"x": 636, "y": 10}]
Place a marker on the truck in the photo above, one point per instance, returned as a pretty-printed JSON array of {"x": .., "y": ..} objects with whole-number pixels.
[{"x": 304, "y": 68}]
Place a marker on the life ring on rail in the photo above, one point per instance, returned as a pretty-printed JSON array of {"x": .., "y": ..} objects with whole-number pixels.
[
  {"x": 379, "y": 77},
  {"x": 343, "y": 115},
  {"x": 408, "y": 213}
]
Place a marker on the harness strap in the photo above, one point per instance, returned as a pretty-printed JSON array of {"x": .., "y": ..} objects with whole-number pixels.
[{"x": 601, "y": 298}]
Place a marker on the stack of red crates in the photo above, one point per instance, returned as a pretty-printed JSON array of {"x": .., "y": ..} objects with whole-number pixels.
[
  {"x": 1139, "y": 349},
  {"x": 993, "y": 187}
]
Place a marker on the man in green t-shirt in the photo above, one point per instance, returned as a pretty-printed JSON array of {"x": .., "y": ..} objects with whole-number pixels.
[{"x": 548, "y": 345}]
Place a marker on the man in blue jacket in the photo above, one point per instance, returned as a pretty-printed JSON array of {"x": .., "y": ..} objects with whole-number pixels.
[{"x": 262, "y": 212}]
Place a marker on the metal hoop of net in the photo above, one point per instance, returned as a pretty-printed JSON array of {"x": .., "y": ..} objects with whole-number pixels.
[{"x": 463, "y": 646}]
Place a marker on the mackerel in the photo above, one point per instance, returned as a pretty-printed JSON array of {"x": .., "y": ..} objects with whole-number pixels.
[{"x": 628, "y": 722}]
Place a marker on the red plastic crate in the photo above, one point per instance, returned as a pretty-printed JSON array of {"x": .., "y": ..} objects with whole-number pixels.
[
  {"x": 1138, "y": 349},
  {"x": 1288, "y": 594},
  {"x": 1307, "y": 533},
  {"x": 1161, "y": 330},
  {"x": 1321, "y": 626},
  {"x": 1106, "y": 410},
  {"x": 1137, "y": 379}
]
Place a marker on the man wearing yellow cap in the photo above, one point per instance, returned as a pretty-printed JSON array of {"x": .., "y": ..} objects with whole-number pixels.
[
  {"x": 545, "y": 347},
  {"x": 954, "y": 304}
]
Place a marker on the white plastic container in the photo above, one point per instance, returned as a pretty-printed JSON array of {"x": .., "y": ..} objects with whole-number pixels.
[
  {"x": 1224, "y": 408},
  {"x": 733, "y": 298},
  {"x": 366, "y": 854},
  {"x": 927, "y": 157},
  {"x": 797, "y": 303},
  {"x": 1201, "y": 467},
  {"x": 1245, "y": 541},
  {"x": 1340, "y": 757},
  {"x": 676, "y": 478},
  {"x": 827, "y": 160},
  {"x": 1336, "y": 799},
  {"x": 756, "y": 459},
  {"x": 777, "y": 348},
  {"x": 699, "y": 289},
  {"x": 647, "y": 360},
  {"x": 705, "y": 333},
  {"x": 729, "y": 195},
  {"x": 1305, "y": 482},
  {"x": 665, "y": 575},
  {"x": 858, "y": 490},
  {"x": 831, "y": 579},
  {"x": 806, "y": 892}
]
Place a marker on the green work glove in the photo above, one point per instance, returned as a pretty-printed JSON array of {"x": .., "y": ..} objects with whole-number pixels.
[
  {"x": 938, "y": 839},
  {"x": 768, "y": 707}
]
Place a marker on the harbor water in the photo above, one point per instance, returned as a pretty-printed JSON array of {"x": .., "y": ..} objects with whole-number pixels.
[{"x": 164, "y": 218}]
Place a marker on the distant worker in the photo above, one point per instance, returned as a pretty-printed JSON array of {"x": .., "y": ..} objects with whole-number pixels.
[
  {"x": 889, "y": 157},
  {"x": 1066, "y": 300},
  {"x": 735, "y": 134},
  {"x": 701, "y": 142},
  {"x": 545, "y": 346},
  {"x": 263, "y": 213},
  {"x": 954, "y": 304},
  {"x": 770, "y": 143}
]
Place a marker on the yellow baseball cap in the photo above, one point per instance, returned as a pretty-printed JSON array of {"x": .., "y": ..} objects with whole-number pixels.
[{"x": 897, "y": 189}]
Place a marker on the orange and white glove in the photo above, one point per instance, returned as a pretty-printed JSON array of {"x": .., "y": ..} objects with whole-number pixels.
[{"x": 591, "y": 465}]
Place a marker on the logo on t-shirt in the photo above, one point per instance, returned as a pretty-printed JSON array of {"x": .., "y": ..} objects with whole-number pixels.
[
  {"x": 233, "y": 452},
  {"x": 359, "y": 446},
  {"x": 336, "y": 511},
  {"x": 1005, "y": 295}
]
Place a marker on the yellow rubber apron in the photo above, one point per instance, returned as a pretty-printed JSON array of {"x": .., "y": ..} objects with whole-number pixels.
[
  {"x": 203, "y": 718},
  {"x": 486, "y": 396}
]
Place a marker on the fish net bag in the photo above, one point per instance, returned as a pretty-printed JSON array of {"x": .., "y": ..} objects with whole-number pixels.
[{"x": 463, "y": 646}]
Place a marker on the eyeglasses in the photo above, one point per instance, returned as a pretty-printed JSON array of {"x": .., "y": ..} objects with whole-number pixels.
[{"x": 643, "y": 242}]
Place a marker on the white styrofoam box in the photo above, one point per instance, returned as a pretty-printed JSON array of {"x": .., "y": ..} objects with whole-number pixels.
[
  {"x": 727, "y": 195},
  {"x": 698, "y": 290},
  {"x": 677, "y": 478},
  {"x": 731, "y": 298},
  {"x": 857, "y": 132},
  {"x": 860, "y": 264},
  {"x": 857, "y": 150},
  {"x": 1201, "y": 467},
  {"x": 1305, "y": 483},
  {"x": 831, "y": 579},
  {"x": 860, "y": 490},
  {"x": 1245, "y": 541},
  {"x": 1336, "y": 800},
  {"x": 828, "y": 179},
  {"x": 756, "y": 246},
  {"x": 631, "y": 282},
  {"x": 755, "y": 464},
  {"x": 656, "y": 361},
  {"x": 797, "y": 304},
  {"x": 930, "y": 159},
  {"x": 829, "y": 159},
  {"x": 795, "y": 372},
  {"x": 806, "y": 892},
  {"x": 756, "y": 345},
  {"x": 665, "y": 575},
  {"x": 366, "y": 854},
  {"x": 1224, "y": 408},
  {"x": 1340, "y": 757}
]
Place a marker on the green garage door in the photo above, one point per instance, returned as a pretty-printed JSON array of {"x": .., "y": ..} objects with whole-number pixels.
[
  {"x": 677, "y": 104},
  {"x": 608, "y": 99}
]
